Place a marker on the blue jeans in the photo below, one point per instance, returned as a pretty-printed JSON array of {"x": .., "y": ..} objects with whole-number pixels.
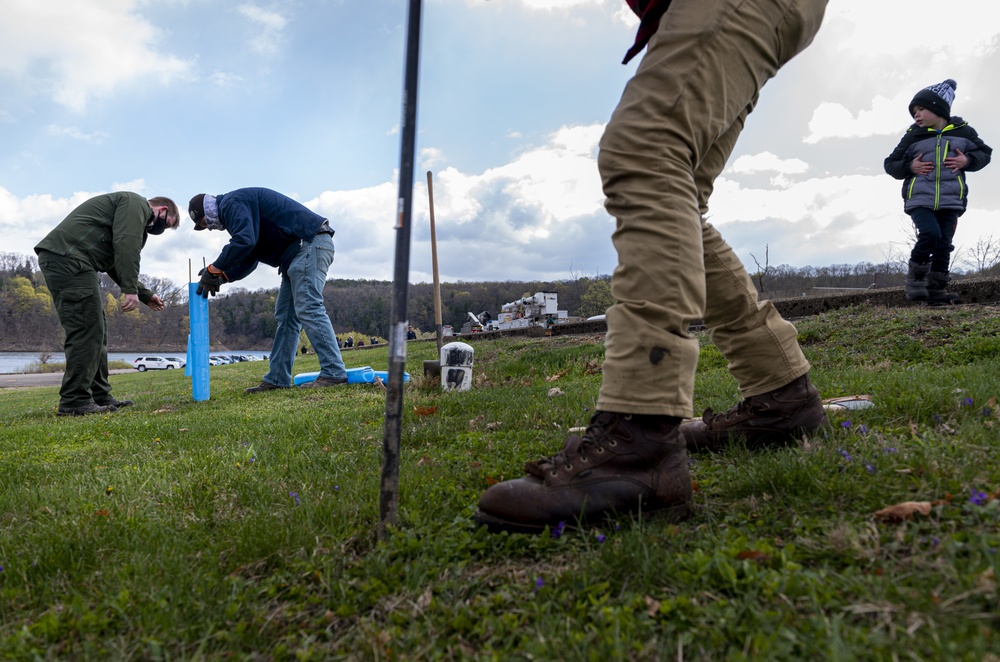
[
  {"x": 300, "y": 306},
  {"x": 935, "y": 230}
]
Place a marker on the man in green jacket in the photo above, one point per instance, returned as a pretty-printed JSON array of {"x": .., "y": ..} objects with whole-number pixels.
[{"x": 104, "y": 234}]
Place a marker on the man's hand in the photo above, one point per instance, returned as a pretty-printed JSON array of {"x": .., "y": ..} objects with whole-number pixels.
[
  {"x": 919, "y": 167},
  {"x": 155, "y": 303},
  {"x": 131, "y": 302},
  {"x": 957, "y": 162},
  {"x": 209, "y": 283}
]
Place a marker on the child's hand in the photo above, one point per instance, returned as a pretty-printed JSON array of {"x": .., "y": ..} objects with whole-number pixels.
[
  {"x": 918, "y": 167},
  {"x": 957, "y": 162}
]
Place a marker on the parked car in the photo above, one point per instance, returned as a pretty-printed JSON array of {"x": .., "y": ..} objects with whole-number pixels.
[
  {"x": 218, "y": 360},
  {"x": 144, "y": 363}
]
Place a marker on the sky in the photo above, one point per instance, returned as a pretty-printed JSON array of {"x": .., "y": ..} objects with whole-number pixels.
[{"x": 179, "y": 97}]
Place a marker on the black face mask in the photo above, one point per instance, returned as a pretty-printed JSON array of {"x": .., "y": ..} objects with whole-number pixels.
[{"x": 158, "y": 225}]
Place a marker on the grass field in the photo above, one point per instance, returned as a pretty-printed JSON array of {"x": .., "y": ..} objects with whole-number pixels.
[{"x": 244, "y": 527}]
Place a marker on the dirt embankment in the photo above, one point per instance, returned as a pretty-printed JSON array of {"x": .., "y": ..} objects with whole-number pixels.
[{"x": 972, "y": 291}]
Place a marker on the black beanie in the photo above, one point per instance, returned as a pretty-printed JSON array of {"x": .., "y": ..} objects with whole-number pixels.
[
  {"x": 196, "y": 210},
  {"x": 936, "y": 98}
]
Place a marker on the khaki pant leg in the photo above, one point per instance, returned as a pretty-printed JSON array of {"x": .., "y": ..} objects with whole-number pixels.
[
  {"x": 701, "y": 73},
  {"x": 762, "y": 347}
]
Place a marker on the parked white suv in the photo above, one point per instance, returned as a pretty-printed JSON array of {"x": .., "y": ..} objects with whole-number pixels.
[{"x": 144, "y": 363}]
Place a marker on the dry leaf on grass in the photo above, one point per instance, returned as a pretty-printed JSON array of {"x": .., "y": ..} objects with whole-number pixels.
[
  {"x": 552, "y": 378},
  {"x": 753, "y": 555},
  {"x": 903, "y": 511},
  {"x": 555, "y": 391},
  {"x": 424, "y": 411}
]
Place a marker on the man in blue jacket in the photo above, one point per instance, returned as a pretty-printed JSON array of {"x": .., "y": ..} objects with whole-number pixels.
[{"x": 266, "y": 226}]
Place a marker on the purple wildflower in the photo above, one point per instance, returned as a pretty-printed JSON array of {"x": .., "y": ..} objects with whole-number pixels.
[
  {"x": 846, "y": 425},
  {"x": 937, "y": 418},
  {"x": 558, "y": 529},
  {"x": 935, "y": 542},
  {"x": 294, "y": 495},
  {"x": 847, "y": 456},
  {"x": 539, "y": 583},
  {"x": 967, "y": 402},
  {"x": 987, "y": 411},
  {"x": 978, "y": 498},
  {"x": 888, "y": 450},
  {"x": 600, "y": 537},
  {"x": 869, "y": 468},
  {"x": 862, "y": 429}
]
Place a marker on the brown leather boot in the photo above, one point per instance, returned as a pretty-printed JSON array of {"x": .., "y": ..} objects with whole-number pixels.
[
  {"x": 776, "y": 418},
  {"x": 623, "y": 463}
]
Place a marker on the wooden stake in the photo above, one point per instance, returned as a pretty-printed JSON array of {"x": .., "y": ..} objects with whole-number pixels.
[{"x": 438, "y": 327}]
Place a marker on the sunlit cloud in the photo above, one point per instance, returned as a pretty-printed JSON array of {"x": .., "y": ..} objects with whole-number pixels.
[{"x": 270, "y": 28}]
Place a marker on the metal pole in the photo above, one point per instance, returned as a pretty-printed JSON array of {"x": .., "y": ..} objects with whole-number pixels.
[
  {"x": 438, "y": 322},
  {"x": 389, "y": 493}
]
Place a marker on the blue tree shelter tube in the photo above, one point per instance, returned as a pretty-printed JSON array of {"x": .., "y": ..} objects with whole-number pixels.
[
  {"x": 198, "y": 344},
  {"x": 363, "y": 375}
]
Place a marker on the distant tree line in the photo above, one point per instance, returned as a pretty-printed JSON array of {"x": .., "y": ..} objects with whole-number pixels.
[{"x": 241, "y": 319}]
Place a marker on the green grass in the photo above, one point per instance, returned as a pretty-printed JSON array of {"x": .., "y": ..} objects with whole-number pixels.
[{"x": 245, "y": 526}]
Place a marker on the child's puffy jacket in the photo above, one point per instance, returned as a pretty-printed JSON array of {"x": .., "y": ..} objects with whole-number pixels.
[{"x": 941, "y": 188}]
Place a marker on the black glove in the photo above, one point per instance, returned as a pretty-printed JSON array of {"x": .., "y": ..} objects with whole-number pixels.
[{"x": 209, "y": 283}]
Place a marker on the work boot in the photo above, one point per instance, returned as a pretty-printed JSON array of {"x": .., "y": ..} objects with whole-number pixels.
[
  {"x": 117, "y": 404},
  {"x": 936, "y": 293},
  {"x": 84, "y": 410},
  {"x": 916, "y": 282},
  {"x": 263, "y": 386},
  {"x": 323, "y": 382},
  {"x": 623, "y": 463},
  {"x": 776, "y": 418}
]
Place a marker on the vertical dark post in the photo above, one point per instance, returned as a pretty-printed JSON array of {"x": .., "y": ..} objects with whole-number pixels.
[{"x": 389, "y": 494}]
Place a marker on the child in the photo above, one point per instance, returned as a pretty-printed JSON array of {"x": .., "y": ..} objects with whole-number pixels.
[{"x": 931, "y": 159}]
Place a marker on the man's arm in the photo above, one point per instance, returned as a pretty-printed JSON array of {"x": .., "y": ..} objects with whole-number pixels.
[
  {"x": 236, "y": 259},
  {"x": 127, "y": 229}
]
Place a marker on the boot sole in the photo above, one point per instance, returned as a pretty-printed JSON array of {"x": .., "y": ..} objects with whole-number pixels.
[{"x": 673, "y": 514}]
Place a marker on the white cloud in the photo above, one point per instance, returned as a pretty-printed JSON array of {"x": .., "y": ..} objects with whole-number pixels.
[
  {"x": 271, "y": 26},
  {"x": 833, "y": 120},
  {"x": 431, "y": 157},
  {"x": 767, "y": 162},
  {"x": 135, "y": 186},
  {"x": 93, "y": 138},
  {"x": 82, "y": 49},
  {"x": 875, "y": 25},
  {"x": 225, "y": 79},
  {"x": 559, "y": 4}
]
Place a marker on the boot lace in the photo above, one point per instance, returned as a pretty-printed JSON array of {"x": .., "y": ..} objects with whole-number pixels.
[
  {"x": 594, "y": 442},
  {"x": 745, "y": 406}
]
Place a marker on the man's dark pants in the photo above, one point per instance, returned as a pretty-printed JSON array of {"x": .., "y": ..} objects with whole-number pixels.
[{"x": 76, "y": 292}]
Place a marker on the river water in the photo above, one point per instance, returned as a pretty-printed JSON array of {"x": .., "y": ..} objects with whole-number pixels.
[{"x": 13, "y": 362}]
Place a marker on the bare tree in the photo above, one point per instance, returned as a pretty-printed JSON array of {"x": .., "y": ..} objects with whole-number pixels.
[
  {"x": 762, "y": 271},
  {"x": 984, "y": 254}
]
